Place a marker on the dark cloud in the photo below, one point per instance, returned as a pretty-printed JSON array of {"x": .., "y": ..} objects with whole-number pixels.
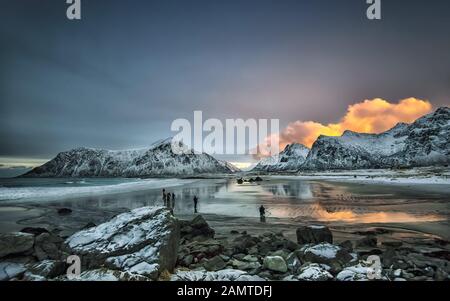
[{"x": 117, "y": 78}]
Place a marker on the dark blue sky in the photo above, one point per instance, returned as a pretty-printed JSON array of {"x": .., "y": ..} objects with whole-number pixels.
[{"x": 117, "y": 78}]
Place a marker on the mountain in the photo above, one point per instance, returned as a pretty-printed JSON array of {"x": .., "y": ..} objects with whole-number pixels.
[
  {"x": 422, "y": 143},
  {"x": 290, "y": 159},
  {"x": 229, "y": 166},
  {"x": 158, "y": 160}
]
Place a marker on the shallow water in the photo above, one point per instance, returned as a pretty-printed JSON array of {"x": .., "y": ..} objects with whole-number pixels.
[{"x": 283, "y": 198}]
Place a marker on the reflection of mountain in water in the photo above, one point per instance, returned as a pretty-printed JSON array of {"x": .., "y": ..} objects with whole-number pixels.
[{"x": 300, "y": 190}]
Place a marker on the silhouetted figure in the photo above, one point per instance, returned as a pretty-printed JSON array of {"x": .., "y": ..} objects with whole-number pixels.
[
  {"x": 262, "y": 214},
  {"x": 168, "y": 199},
  {"x": 164, "y": 197},
  {"x": 173, "y": 200},
  {"x": 195, "y": 204}
]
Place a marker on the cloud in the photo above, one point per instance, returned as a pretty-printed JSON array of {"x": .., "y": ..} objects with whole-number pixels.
[{"x": 370, "y": 116}]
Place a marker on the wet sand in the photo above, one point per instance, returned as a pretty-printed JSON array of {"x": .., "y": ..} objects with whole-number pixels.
[{"x": 411, "y": 214}]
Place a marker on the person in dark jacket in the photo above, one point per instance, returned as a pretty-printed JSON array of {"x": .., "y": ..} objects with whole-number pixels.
[
  {"x": 195, "y": 204},
  {"x": 164, "y": 197},
  {"x": 262, "y": 214}
]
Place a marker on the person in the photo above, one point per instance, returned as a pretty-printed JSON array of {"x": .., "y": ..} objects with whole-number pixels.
[
  {"x": 262, "y": 214},
  {"x": 164, "y": 197},
  {"x": 195, "y": 203},
  {"x": 168, "y": 199},
  {"x": 173, "y": 200}
]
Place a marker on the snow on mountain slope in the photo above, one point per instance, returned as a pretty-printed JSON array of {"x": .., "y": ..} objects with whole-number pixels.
[
  {"x": 290, "y": 159},
  {"x": 158, "y": 160},
  {"x": 424, "y": 142}
]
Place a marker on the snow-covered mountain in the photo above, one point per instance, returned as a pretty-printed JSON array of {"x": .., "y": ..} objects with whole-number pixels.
[
  {"x": 158, "y": 160},
  {"x": 290, "y": 159},
  {"x": 424, "y": 142}
]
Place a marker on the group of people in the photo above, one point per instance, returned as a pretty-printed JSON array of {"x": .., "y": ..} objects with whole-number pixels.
[{"x": 169, "y": 201}]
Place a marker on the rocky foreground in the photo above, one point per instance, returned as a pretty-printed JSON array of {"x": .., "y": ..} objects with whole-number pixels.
[{"x": 149, "y": 244}]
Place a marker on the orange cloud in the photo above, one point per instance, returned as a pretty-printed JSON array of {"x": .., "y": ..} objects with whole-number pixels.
[{"x": 370, "y": 116}]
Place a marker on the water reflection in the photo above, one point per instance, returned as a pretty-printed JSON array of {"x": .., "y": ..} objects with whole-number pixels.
[{"x": 283, "y": 199}]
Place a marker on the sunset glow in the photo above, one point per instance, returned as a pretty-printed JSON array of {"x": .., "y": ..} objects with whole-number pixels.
[{"x": 370, "y": 116}]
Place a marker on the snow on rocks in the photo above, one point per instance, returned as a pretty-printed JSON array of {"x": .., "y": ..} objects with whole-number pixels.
[
  {"x": 311, "y": 272},
  {"x": 363, "y": 271},
  {"x": 222, "y": 275},
  {"x": 143, "y": 241},
  {"x": 334, "y": 256},
  {"x": 10, "y": 270}
]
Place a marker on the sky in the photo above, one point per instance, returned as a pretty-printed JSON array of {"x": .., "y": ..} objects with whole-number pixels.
[{"x": 118, "y": 77}]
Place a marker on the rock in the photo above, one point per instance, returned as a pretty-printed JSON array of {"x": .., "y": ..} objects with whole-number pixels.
[
  {"x": 28, "y": 276},
  {"x": 440, "y": 275},
  {"x": 234, "y": 232},
  {"x": 223, "y": 275},
  {"x": 293, "y": 262},
  {"x": 214, "y": 264},
  {"x": 347, "y": 244},
  {"x": 332, "y": 255},
  {"x": 47, "y": 246},
  {"x": 10, "y": 270},
  {"x": 15, "y": 243},
  {"x": 240, "y": 181},
  {"x": 250, "y": 258},
  {"x": 109, "y": 275},
  {"x": 34, "y": 231},
  {"x": 281, "y": 253},
  {"x": 143, "y": 241},
  {"x": 363, "y": 271},
  {"x": 392, "y": 244},
  {"x": 312, "y": 272},
  {"x": 258, "y": 179},
  {"x": 48, "y": 268},
  {"x": 198, "y": 229},
  {"x": 275, "y": 263},
  {"x": 187, "y": 260},
  {"x": 313, "y": 235},
  {"x": 64, "y": 211},
  {"x": 368, "y": 241},
  {"x": 89, "y": 225},
  {"x": 242, "y": 243},
  {"x": 388, "y": 257}
]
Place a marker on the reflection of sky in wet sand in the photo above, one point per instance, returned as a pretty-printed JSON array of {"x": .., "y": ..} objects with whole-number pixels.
[
  {"x": 283, "y": 198},
  {"x": 299, "y": 199}
]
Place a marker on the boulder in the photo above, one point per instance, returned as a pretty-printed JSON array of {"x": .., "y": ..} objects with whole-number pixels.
[
  {"x": 347, "y": 244},
  {"x": 197, "y": 229},
  {"x": 314, "y": 235},
  {"x": 214, "y": 264},
  {"x": 64, "y": 211},
  {"x": 311, "y": 272},
  {"x": 11, "y": 270},
  {"x": 334, "y": 256},
  {"x": 275, "y": 263},
  {"x": 223, "y": 275},
  {"x": 242, "y": 243},
  {"x": 47, "y": 246},
  {"x": 363, "y": 271},
  {"x": 108, "y": 275},
  {"x": 48, "y": 268},
  {"x": 368, "y": 241},
  {"x": 143, "y": 241},
  {"x": 35, "y": 231},
  {"x": 15, "y": 243}
]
